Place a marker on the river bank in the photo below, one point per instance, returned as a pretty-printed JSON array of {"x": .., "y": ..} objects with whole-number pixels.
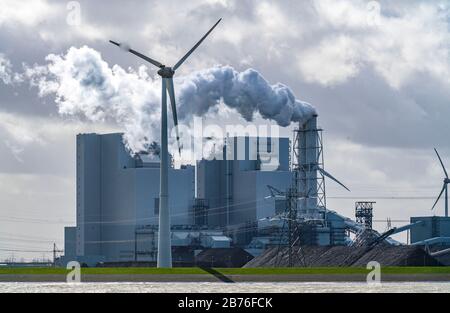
[{"x": 393, "y": 274}]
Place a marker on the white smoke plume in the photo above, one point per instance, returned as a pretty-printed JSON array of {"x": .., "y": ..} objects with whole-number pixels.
[
  {"x": 247, "y": 92},
  {"x": 84, "y": 85}
]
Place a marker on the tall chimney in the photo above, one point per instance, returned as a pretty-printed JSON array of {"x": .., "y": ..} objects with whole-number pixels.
[{"x": 307, "y": 160}]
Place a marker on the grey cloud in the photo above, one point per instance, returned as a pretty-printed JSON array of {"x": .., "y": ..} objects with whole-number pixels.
[{"x": 365, "y": 95}]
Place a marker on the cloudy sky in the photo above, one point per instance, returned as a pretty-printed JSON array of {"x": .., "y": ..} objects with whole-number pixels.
[{"x": 377, "y": 73}]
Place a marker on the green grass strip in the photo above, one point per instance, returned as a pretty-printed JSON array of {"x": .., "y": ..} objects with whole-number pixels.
[{"x": 226, "y": 271}]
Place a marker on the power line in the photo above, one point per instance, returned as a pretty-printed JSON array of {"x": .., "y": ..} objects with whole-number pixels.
[
  {"x": 20, "y": 250},
  {"x": 383, "y": 198},
  {"x": 235, "y": 205}
]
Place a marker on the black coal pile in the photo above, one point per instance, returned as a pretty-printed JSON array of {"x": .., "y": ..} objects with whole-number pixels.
[
  {"x": 223, "y": 257},
  {"x": 340, "y": 256}
]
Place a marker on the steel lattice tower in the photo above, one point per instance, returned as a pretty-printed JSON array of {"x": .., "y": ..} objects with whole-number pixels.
[{"x": 364, "y": 213}]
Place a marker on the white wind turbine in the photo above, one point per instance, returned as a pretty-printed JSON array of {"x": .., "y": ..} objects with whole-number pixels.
[{"x": 166, "y": 73}]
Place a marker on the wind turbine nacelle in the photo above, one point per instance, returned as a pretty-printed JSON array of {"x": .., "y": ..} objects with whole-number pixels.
[
  {"x": 166, "y": 72},
  {"x": 447, "y": 181}
]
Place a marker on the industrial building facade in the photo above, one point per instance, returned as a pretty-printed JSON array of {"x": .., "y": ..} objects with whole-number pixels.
[
  {"x": 118, "y": 193},
  {"x": 215, "y": 204},
  {"x": 242, "y": 198}
]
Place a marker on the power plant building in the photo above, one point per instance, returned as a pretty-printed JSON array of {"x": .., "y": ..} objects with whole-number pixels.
[
  {"x": 118, "y": 193},
  {"x": 117, "y": 198},
  {"x": 224, "y": 201},
  {"x": 235, "y": 187}
]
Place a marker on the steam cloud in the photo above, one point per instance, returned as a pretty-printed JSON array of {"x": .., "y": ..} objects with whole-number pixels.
[
  {"x": 84, "y": 85},
  {"x": 247, "y": 92}
]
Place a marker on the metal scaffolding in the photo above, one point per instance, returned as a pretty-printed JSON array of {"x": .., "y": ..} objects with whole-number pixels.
[
  {"x": 289, "y": 237},
  {"x": 364, "y": 213}
]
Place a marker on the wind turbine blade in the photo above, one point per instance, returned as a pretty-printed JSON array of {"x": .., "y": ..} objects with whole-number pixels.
[
  {"x": 171, "y": 91},
  {"x": 439, "y": 197},
  {"x": 442, "y": 163},
  {"x": 146, "y": 58},
  {"x": 325, "y": 173},
  {"x": 274, "y": 191},
  {"x": 194, "y": 47}
]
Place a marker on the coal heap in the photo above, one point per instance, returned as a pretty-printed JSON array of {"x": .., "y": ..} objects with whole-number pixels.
[
  {"x": 223, "y": 257},
  {"x": 345, "y": 256}
]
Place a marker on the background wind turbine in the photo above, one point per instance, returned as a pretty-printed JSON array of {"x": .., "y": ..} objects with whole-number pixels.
[
  {"x": 166, "y": 73},
  {"x": 444, "y": 187},
  {"x": 325, "y": 173}
]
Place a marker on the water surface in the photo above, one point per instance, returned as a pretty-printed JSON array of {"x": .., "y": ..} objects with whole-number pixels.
[{"x": 406, "y": 287}]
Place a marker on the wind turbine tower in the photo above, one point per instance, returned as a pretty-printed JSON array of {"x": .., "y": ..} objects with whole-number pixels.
[{"x": 166, "y": 73}]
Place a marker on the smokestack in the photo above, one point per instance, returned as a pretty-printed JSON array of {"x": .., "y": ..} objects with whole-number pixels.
[{"x": 307, "y": 145}]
